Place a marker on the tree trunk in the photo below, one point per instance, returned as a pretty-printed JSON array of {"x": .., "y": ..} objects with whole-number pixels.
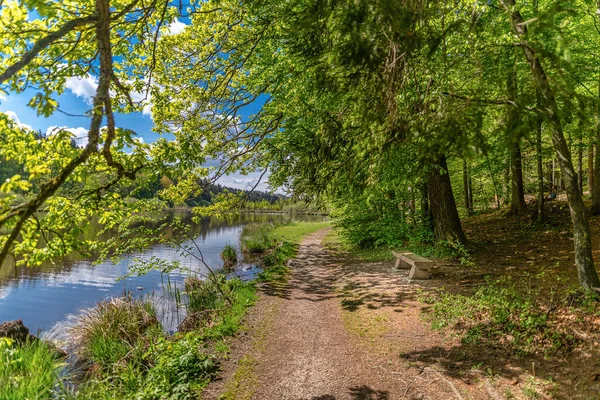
[
  {"x": 517, "y": 198},
  {"x": 596, "y": 184},
  {"x": 471, "y": 200},
  {"x": 468, "y": 204},
  {"x": 590, "y": 162},
  {"x": 580, "y": 162},
  {"x": 540, "y": 167},
  {"x": 446, "y": 222},
  {"x": 588, "y": 277},
  {"x": 517, "y": 193}
]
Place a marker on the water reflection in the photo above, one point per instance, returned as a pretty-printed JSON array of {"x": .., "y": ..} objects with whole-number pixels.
[{"x": 50, "y": 297}]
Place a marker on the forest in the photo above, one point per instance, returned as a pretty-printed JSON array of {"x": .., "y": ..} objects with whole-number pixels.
[{"x": 464, "y": 131}]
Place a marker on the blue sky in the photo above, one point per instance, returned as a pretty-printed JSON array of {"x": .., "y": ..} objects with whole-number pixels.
[{"x": 77, "y": 100}]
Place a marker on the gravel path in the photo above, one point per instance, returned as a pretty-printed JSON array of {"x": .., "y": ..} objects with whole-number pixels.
[
  {"x": 310, "y": 355},
  {"x": 334, "y": 335}
]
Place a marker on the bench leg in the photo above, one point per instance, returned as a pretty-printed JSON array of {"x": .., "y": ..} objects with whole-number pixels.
[
  {"x": 401, "y": 264},
  {"x": 416, "y": 273}
]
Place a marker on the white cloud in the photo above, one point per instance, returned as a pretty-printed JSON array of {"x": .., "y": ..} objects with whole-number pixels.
[
  {"x": 145, "y": 100},
  {"x": 246, "y": 182},
  {"x": 3, "y": 97},
  {"x": 175, "y": 27},
  {"x": 13, "y": 116},
  {"x": 83, "y": 86},
  {"x": 79, "y": 134}
]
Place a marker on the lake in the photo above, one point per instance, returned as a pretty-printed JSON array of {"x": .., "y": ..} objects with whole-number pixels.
[{"x": 49, "y": 298}]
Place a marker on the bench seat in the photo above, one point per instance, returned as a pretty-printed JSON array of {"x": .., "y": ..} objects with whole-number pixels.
[{"x": 419, "y": 266}]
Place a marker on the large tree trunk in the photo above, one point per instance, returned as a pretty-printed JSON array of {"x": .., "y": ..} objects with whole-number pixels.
[
  {"x": 517, "y": 193},
  {"x": 517, "y": 198},
  {"x": 588, "y": 277},
  {"x": 446, "y": 222}
]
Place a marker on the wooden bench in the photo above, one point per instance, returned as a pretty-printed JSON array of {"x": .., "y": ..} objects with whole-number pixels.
[{"x": 419, "y": 266}]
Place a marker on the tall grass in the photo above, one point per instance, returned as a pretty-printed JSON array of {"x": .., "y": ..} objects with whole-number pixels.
[
  {"x": 229, "y": 256},
  {"x": 144, "y": 362},
  {"x": 28, "y": 371},
  {"x": 256, "y": 239},
  {"x": 113, "y": 329}
]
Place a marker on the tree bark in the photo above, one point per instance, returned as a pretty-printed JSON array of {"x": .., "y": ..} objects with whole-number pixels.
[
  {"x": 471, "y": 199},
  {"x": 588, "y": 277},
  {"x": 517, "y": 194},
  {"x": 467, "y": 188},
  {"x": 517, "y": 198},
  {"x": 596, "y": 183},
  {"x": 590, "y": 168},
  {"x": 580, "y": 162},
  {"x": 446, "y": 222}
]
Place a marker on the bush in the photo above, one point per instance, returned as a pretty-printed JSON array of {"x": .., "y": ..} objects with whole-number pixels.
[
  {"x": 229, "y": 256},
  {"x": 27, "y": 371},
  {"x": 256, "y": 239},
  {"x": 180, "y": 370}
]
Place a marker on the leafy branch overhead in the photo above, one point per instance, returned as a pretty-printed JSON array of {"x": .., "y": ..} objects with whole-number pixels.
[{"x": 383, "y": 110}]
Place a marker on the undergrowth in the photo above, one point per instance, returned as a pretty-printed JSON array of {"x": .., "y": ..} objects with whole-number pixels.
[
  {"x": 500, "y": 313},
  {"x": 418, "y": 241}
]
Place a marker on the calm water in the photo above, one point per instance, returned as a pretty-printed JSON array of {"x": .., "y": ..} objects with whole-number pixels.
[{"x": 49, "y": 298}]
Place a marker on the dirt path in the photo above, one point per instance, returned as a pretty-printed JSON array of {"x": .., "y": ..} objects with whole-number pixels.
[{"x": 340, "y": 333}]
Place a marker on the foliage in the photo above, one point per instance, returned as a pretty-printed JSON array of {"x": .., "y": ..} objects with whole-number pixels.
[
  {"x": 181, "y": 368},
  {"x": 28, "y": 371}
]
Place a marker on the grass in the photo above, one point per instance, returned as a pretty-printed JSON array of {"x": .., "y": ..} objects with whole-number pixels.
[
  {"x": 499, "y": 313},
  {"x": 335, "y": 242},
  {"x": 147, "y": 363},
  {"x": 30, "y": 371},
  {"x": 110, "y": 332},
  {"x": 256, "y": 238},
  {"x": 293, "y": 233},
  {"x": 229, "y": 256}
]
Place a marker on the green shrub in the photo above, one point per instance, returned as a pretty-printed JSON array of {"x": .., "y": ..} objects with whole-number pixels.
[
  {"x": 181, "y": 369},
  {"x": 229, "y": 256},
  {"x": 28, "y": 371}
]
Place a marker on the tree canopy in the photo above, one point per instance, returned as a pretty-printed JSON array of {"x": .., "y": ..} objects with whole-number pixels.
[{"x": 389, "y": 110}]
